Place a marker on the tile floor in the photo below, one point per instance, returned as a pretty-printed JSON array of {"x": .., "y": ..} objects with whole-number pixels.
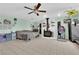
[{"x": 40, "y": 46}]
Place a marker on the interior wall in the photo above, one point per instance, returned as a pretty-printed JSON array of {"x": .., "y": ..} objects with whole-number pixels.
[
  {"x": 54, "y": 28},
  {"x": 21, "y": 24},
  {"x": 75, "y": 32},
  {"x": 26, "y": 25}
]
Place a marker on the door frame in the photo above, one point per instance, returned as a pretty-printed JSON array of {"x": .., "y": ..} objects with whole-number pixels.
[{"x": 70, "y": 30}]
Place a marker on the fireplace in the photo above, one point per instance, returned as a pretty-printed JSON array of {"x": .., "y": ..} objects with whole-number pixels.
[{"x": 47, "y": 34}]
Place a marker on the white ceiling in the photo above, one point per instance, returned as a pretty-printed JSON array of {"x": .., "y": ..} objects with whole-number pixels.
[{"x": 18, "y": 10}]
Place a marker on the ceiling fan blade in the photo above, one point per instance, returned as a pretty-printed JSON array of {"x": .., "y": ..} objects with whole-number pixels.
[
  {"x": 30, "y": 12},
  {"x": 28, "y": 8},
  {"x": 38, "y": 5},
  {"x": 42, "y": 11}
]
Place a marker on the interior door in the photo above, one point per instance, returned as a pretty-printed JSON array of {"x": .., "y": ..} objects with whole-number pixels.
[
  {"x": 58, "y": 25},
  {"x": 40, "y": 28}
]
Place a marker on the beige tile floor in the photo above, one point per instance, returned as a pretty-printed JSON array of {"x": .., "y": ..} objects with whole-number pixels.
[{"x": 40, "y": 46}]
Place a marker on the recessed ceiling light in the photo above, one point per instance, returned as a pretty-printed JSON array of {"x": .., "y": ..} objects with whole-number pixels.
[{"x": 58, "y": 14}]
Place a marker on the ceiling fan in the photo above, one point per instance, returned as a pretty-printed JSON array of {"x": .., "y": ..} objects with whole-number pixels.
[{"x": 35, "y": 9}]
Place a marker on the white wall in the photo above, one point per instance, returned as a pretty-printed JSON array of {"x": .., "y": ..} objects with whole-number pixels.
[
  {"x": 26, "y": 25},
  {"x": 54, "y": 28},
  {"x": 20, "y": 25}
]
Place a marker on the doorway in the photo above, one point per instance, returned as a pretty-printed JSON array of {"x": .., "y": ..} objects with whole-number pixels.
[{"x": 58, "y": 25}]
